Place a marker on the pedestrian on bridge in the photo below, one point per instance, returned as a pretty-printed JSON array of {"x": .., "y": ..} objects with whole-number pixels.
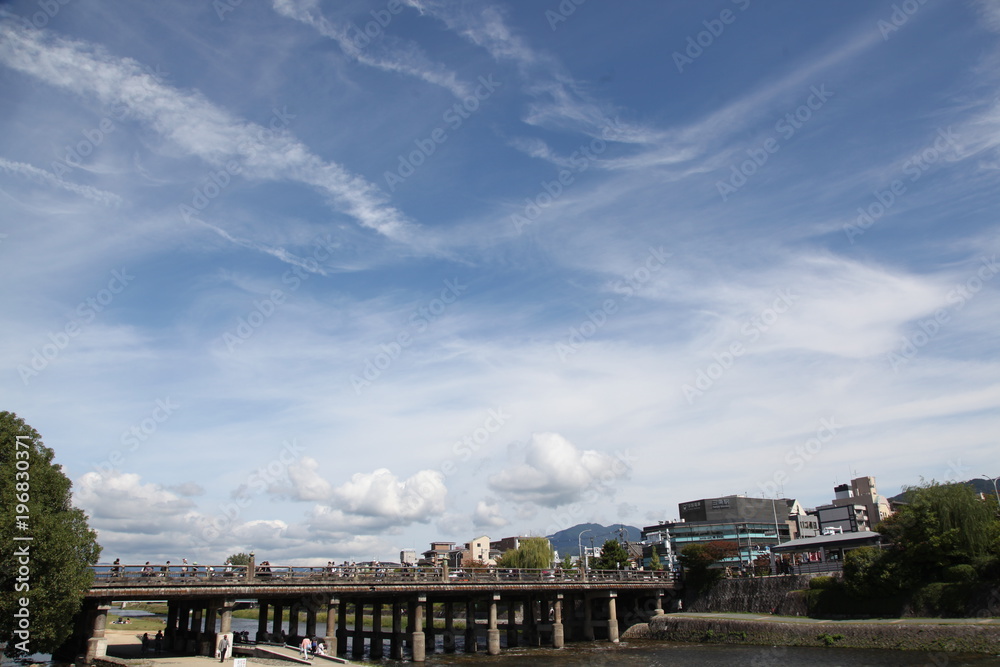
[{"x": 305, "y": 646}]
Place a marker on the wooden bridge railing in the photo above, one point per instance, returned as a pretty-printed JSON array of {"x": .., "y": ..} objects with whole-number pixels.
[{"x": 188, "y": 575}]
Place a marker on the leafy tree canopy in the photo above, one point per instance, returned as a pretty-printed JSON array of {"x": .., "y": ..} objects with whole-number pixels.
[
  {"x": 533, "y": 553},
  {"x": 613, "y": 557},
  {"x": 654, "y": 561},
  {"x": 242, "y": 558},
  {"x": 51, "y": 570}
]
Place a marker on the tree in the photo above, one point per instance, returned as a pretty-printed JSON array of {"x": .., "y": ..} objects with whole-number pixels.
[
  {"x": 533, "y": 553},
  {"x": 613, "y": 556},
  {"x": 567, "y": 563},
  {"x": 697, "y": 561},
  {"x": 242, "y": 558},
  {"x": 654, "y": 561},
  {"x": 44, "y": 577}
]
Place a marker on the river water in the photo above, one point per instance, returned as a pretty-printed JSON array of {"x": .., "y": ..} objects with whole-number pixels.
[{"x": 643, "y": 653}]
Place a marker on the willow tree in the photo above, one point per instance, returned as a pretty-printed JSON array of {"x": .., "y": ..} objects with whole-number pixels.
[
  {"x": 533, "y": 553},
  {"x": 46, "y": 546}
]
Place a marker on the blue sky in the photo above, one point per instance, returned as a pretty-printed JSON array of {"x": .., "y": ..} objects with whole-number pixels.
[{"x": 327, "y": 280}]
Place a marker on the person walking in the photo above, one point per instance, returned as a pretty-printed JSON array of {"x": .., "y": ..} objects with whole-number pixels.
[
  {"x": 305, "y": 646},
  {"x": 223, "y": 647}
]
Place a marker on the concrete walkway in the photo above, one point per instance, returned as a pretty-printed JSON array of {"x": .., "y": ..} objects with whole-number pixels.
[
  {"x": 860, "y": 621},
  {"x": 127, "y": 644}
]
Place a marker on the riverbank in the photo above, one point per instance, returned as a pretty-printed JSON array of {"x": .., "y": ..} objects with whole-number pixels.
[{"x": 936, "y": 635}]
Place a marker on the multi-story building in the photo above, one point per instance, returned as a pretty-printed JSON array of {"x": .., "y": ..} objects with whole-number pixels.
[
  {"x": 855, "y": 508},
  {"x": 751, "y": 524},
  {"x": 437, "y": 554},
  {"x": 408, "y": 557}
]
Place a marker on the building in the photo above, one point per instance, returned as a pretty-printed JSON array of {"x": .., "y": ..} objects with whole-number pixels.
[
  {"x": 823, "y": 554},
  {"x": 855, "y": 508},
  {"x": 437, "y": 554},
  {"x": 753, "y": 525},
  {"x": 408, "y": 557}
]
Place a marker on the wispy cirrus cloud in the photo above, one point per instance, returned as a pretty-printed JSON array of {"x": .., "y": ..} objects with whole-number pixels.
[
  {"x": 385, "y": 52},
  {"x": 195, "y": 125},
  {"x": 48, "y": 178}
]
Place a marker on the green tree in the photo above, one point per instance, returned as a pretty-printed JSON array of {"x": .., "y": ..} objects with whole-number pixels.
[
  {"x": 654, "y": 561},
  {"x": 567, "y": 563},
  {"x": 613, "y": 557},
  {"x": 51, "y": 571},
  {"x": 533, "y": 553},
  {"x": 242, "y": 558},
  {"x": 697, "y": 561}
]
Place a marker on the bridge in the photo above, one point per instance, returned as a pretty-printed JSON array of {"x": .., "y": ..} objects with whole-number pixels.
[{"x": 395, "y": 606}]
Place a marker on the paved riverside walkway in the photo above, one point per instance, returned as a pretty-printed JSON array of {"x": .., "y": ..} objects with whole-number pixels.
[
  {"x": 126, "y": 644},
  {"x": 848, "y": 621}
]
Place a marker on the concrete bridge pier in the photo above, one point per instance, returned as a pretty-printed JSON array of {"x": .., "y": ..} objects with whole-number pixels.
[
  {"x": 612, "y": 618},
  {"x": 493, "y": 631},
  {"x": 358, "y": 637},
  {"x": 417, "y": 637},
  {"x": 396, "y": 643},
  {"x": 97, "y": 645},
  {"x": 558, "y": 635},
  {"x": 342, "y": 627},
  {"x": 331, "y": 625},
  {"x": 377, "y": 649},
  {"x": 293, "y": 621},
  {"x": 225, "y": 626},
  {"x": 511, "y": 623},
  {"x": 471, "y": 643},
  {"x": 588, "y": 618},
  {"x": 279, "y": 613},
  {"x": 430, "y": 632},
  {"x": 311, "y": 620},
  {"x": 261, "y": 620},
  {"x": 449, "y": 626}
]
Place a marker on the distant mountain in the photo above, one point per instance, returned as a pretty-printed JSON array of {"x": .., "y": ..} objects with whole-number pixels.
[
  {"x": 980, "y": 486},
  {"x": 566, "y": 541}
]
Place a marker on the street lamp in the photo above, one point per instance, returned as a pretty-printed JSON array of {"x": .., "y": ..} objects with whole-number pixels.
[
  {"x": 579, "y": 546},
  {"x": 994, "y": 480}
]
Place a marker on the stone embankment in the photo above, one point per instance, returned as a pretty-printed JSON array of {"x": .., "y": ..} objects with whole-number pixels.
[
  {"x": 755, "y": 595},
  {"x": 945, "y": 637}
]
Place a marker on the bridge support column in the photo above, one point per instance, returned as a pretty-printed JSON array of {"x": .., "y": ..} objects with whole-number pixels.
[
  {"x": 449, "y": 626},
  {"x": 511, "y": 623},
  {"x": 97, "y": 645},
  {"x": 493, "y": 631},
  {"x": 310, "y": 621},
  {"x": 261, "y": 620},
  {"x": 377, "y": 649},
  {"x": 558, "y": 635},
  {"x": 183, "y": 619},
  {"x": 342, "y": 628},
  {"x": 588, "y": 618},
  {"x": 358, "y": 639},
  {"x": 194, "y": 636},
  {"x": 659, "y": 603},
  {"x": 170, "y": 632},
  {"x": 529, "y": 632},
  {"x": 206, "y": 639},
  {"x": 331, "y": 626},
  {"x": 417, "y": 637},
  {"x": 279, "y": 613},
  {"x": 225, "y": 627},
  {"x": 396, "y": 643},
  {"x": 293, "y": 623},
  {"x": 471, "y": 645},
  {"x": 430, "y": 632},
  {"x": 612, "y": 619}
]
